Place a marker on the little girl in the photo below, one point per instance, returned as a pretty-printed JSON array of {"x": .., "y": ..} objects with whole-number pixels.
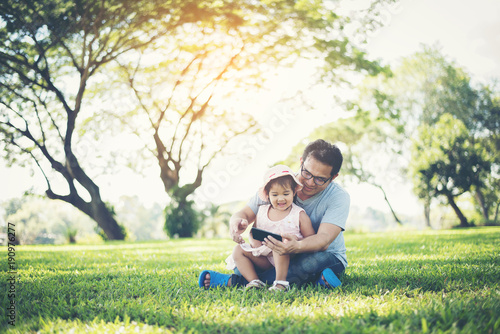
[{"x": 281, "y": 216}]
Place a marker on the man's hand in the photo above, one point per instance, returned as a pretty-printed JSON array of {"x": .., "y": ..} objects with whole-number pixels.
[
  {"x": 314, "y": 243},
  {"x": 289, "y": 245},
  {"x": 237, "y": 227}
]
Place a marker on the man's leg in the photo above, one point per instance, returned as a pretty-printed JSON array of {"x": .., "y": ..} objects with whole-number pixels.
[
  {"x": 248, "y": 263},
  {"x": 266, "y": 276},
  {"x": 307, "y": 267},
  {"x": 303, "y": 268}
]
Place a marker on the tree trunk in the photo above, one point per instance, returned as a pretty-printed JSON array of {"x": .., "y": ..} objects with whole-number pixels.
[
  {"x": 427, "y": 211},
  {"x": 495, "y": 217},
  {"x": 96, "y": 208},
  {"x": 106, "y": 221},
  {"x": 478, "y": 194},
  {"x": 390, "y": 206},
  {"x": 461, "y": 217}
]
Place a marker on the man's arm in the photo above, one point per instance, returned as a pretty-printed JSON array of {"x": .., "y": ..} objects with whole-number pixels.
[
  {"x": 315, "y": 243},
  {"x": 239, "y": 223}
]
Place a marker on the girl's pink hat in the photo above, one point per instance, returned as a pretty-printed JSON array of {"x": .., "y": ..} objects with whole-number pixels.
[{"x": 274, "y": 173}]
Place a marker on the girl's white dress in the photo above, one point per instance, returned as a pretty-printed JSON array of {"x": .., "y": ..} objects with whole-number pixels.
[{"x": 288, "y": 225}]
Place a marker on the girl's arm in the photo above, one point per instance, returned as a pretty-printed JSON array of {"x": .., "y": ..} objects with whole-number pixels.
[
  {"x": 306, "y": 228},
  {"x": 239, "y": 223}
]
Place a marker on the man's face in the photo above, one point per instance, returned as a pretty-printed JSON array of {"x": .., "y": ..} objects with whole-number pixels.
[{"x": 314, "y": 169}]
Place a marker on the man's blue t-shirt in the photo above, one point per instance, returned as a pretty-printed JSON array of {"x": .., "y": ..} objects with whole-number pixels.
[{"x": 330, "y": 206}]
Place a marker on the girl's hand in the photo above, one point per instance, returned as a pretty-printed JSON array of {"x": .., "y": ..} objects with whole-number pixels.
[{"x": 238, "y": 226}]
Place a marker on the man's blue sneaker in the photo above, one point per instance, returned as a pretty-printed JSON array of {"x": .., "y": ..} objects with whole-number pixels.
[
  {"x": 216, "y": 279},
  {"x": 330, "y": 278}
]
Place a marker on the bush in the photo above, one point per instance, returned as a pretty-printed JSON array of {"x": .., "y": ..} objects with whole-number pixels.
[{"x": 181, "y": 219}]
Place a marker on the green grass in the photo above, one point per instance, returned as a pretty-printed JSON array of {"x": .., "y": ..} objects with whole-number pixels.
[{"x": 401, "y": 282}]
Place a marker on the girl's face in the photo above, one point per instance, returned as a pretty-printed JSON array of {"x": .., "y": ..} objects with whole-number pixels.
[{"x": 281, "y": 198}]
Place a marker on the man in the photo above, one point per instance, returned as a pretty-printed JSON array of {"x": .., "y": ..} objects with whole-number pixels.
[{"x": 320, "y": 257}]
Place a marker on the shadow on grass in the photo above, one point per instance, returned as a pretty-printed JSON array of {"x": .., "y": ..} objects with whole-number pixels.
[
  {"x": 145, "y": 294},
  {"x": 272, "y": 314},
  {"x": 157, "y": 285}
]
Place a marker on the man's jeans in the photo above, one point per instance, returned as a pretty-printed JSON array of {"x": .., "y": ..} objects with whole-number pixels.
[{"x": 304, "y": 268}]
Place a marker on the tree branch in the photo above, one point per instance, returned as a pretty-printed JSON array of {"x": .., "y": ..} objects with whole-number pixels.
[
  {"x": 213, "y": 83},
  {"x": 131, "y": 80},
  {"x": 13, "y": 142},
  {"x": 227, "y": 141},
  {"x": 27, "y": 134},
  {"x": 177, "y": 83}
]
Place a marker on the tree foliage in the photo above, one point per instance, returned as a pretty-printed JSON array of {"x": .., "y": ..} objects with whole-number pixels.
[
  {"x": 183, "y": 89},
  {"x": 182, "y": 219},
  {"x": 425, "y": 117},
  {"x": 447, "y": 162},
  {"x": 452, "y": 125},
  {"x": 49, "y": 52},
  {"x": 180, "y": 59},
  {"x": 215, "y": 222}
]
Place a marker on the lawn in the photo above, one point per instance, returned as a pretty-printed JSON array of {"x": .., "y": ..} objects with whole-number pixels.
[{"x": 399, "y": 282}]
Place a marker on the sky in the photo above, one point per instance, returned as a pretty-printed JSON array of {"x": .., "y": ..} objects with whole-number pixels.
[{"x": 467, "y": 32}]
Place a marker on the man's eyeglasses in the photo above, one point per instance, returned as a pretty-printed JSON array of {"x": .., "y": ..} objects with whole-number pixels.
[{"x": 317, "y": 179}]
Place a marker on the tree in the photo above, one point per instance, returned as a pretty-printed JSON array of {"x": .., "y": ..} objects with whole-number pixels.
[
  {"x": 182, "y": 219},
  {"x": 487, "y": 132},
  {"x": 216, "y": 221},
  {"x": 424, "y": 88},
  {"x": 447, "y": 162},
  {"x": 49, "y": 53},
  {"x": 183, "y": 89},
  {"x": 53, "y": 50}
]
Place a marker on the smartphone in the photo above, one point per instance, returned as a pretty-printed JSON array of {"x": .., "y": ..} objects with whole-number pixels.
[{"x": 259, "y": 234}]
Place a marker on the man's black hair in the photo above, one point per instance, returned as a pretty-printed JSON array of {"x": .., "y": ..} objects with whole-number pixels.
[{"x": 326, "y": 153}]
